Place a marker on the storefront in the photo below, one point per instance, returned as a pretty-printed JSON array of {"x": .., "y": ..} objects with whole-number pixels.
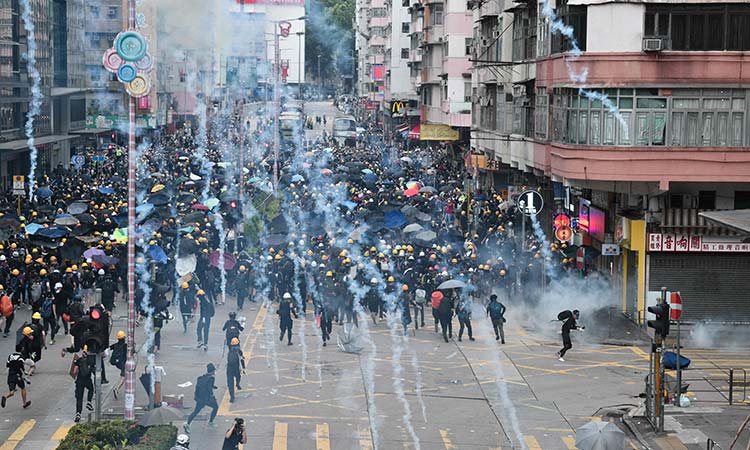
[{"x": 711, "y": 272}]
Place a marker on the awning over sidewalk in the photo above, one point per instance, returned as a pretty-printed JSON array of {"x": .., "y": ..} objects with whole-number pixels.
[
  {"x": 22, "y": 143},
  {"x": 414, "y": 132},
  {"x": 737, "y": 219},
  {"x": 92, "y": 131},
  {"x": 402, "y": 128}
]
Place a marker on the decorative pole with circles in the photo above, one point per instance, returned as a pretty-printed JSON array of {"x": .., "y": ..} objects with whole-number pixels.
[{"x": 130, "y": 61}]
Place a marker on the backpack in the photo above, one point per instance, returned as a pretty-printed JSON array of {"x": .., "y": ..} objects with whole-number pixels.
[
  {"x": 46, "y": 309},
  {"x": 435, "y": 302},
  {"x": 420, "y": 296},
  {"x": 203, "y": 387},
  {"x": 6, "y": 306},
  {"x": 565, "y": 315},
  {"x": 233, "y": 332},
  {"x": 496, "y": 311}
]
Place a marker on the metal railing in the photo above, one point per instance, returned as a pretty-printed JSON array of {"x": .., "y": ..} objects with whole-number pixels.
[
  {"x": 712, "y": 445},
  {"x": 731, "y": 386}
]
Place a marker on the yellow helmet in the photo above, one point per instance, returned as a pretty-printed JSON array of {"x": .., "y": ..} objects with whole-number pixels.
[
  {"x": 27, "y": 331},
  {"x": 309, "y": 253},
  {"x": 13, "y": 245},
  {"x": 15, "y": 272},
  {"x": 343, "y": 253},
  {"x": 381, "y": 255},
  {"x": 84, "y": 265},
  {"x": 42, "y": 272},
  {"x": 391, "y": 279},
  {"x": 37, "y": 316},
  {"x": 243, "y": 268},
  {"x": 409, "y": 248},
  {"x": 329, "y": 274},
  {"x": 324, "y": 257},
  {"x": 68, "y": 270},
  {"x": 200, "y": 292},
  {"x": 2, "y": 288},
  {"x": 277, "y": 257},
  {"x": 120, "y": 334},
  {"x": 373, "y": 249},
  {"x": 350, "y": 241},
  {"x": 235, "y": 341},
  {"x": 74, "y": 267},
  {"x": 185, "y": 285}
]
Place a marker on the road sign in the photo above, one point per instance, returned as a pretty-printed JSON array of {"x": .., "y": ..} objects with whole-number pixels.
[
  {"x": 563, "y": 233},
  {"x": 561, "y": 220},
  {"x": 78, "y": 161},
  {"x": 98, "y": 158},
  {"x": 19, "y": 185},
  {"x": 610, "y": 249},
  {"x": 530, "y": 203},
  {"x": 675, "y": 306}
]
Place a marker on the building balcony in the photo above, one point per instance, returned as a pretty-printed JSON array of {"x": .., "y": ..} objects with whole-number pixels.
[{"x": 644, "y": 69}]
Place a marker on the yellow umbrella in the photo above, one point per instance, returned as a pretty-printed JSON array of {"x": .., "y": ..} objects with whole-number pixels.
[
  {"x": 157, "y": 188},
  {"x": 120, "y": 235}
]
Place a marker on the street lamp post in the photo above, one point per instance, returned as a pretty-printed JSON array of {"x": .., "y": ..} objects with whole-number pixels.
[
  {"x": 299, "y": 63},
  {"x": 320, "y": 82}
]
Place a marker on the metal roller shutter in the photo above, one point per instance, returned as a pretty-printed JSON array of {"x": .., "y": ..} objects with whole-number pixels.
[{"x": 714, "y": 286}]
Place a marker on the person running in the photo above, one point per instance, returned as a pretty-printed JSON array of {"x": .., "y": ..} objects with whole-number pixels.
[
  {"x": 463, "y": 311},
  {"x": 373, "y": 300},
  {"x": 47, "y": 311},
  {"x": 286, "y": 310},
  {"x": 235, "y": 436},
  {"x": 325, "y": 321},
  {"x": 16, "y": 377},
  {"x": 204, "y": 319},
  {"x": 445, "y": 310},
  {"x": 7, "y": 309},
  {"x": 118, "y": 358},
  {"x": 232, "y": 328},
  {"x": 570, "y": 323},
  {"x": 82, "y": 371},
  {"x": 204, "y": 396},
  {"x": 235, "y": 360},
  {"x": 496, "y": 312}
]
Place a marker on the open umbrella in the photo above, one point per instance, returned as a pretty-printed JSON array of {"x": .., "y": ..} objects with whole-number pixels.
[
  {"x": 199, "y": 207},
  {"x": 186, "y": 264},
  {"x": 44, "y": 192},
  {"x": 32, "y": 228},
  {"x": 427, "y": 236},
  {"x": 452, "y": 284},
  {"x": 157, "y": 254},
  {"x": 274, "y": 240},
  {"x": 105, "y": 260},
  {"x": 53, "y": 232},
  {"x": 427, "y": 189},
  {"x": 163, "y": 415},
  {"x": 297, "y": 178},
  {"x": 229, "y": 260},
  {"x": 347, "y": 339},
  {"x": 394, "y": 219},
  {"x": 211, "y": 202},
  {"x": 157, "y": 188},
  {"x": 158, "y": 199},
  {"x": 413, "y": 228},
  {"x": 599, "y": 436},
  {"x": 66, "y": 220},
  {"x": 77, "y": 208},
  {"x": 407, "y": 160},
  {"x": 106, "y": 190}
]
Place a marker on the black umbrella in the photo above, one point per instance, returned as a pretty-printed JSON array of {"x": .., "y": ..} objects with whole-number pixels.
[
  {"x": 81, "y": 230},
  {"x": 158, "y": 199},
  {"x": 275, "y": 240},
  {"x": 73, "y": 249},
  {"x": 193, "y": 217}
]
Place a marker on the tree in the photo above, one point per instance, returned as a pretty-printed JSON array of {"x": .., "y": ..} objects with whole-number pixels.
[{"x": 330, "y": 34}]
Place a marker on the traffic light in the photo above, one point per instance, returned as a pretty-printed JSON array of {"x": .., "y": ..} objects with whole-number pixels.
[
  {"x": 661, "y": 324},
  {"x": 96, "y": 334}
]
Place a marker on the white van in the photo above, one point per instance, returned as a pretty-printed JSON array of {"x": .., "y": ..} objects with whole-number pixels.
[{"x": 344, "y": 128}]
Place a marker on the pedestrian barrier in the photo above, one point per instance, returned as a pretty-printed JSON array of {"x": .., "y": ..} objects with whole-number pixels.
[
  {"x": 712, "y": 445},
  {"x": 720, "y": 385}
]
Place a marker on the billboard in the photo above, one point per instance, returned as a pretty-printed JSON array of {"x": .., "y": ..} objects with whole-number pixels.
[
  {"x": 431, "y": 132},
  {"x": 271, "y": 2}
]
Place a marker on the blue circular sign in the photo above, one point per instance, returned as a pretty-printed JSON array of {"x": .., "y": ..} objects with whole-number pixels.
[
  {"x": 127, "y": 73},
  {"x": 131, "y": 46}
]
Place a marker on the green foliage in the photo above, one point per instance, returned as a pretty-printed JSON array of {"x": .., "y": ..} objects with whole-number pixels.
[
  {"x": 116, "y": 434},
  {"x": 329, "y": 33},
  {"x": 267, "y": 208}
]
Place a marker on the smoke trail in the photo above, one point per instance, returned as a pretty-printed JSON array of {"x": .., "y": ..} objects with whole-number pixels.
[
  {"x": 557, "y": 25},
  {"x": 36, "y": 91}
]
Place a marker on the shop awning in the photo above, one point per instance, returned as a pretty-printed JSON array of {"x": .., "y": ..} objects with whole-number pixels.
[
  {"x": 414, "y": 132},
  {"x": 22, "y": 143},
  {"x": 402, "y": 128},
  {"x": 92, "y": 131},
  {"x": 736, "y": 219}
]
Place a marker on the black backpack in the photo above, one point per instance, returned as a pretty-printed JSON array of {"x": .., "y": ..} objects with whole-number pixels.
[
  {"x": 565, "y": 315},
  {"x": 46, "y": 308},
  {"x": 203, "y": 387}
]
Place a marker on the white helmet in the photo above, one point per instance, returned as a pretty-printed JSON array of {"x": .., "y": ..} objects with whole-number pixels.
[
  {"x": 58, "y": 286},
  {"x": 374, "y": 281},
  {"x": 287, "y": 295},
  {"x": 183, "y": 439},
  {"x": 101, "y": 272}
]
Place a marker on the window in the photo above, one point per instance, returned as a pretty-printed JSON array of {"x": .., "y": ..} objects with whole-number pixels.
[
  {"x": 113, "y": 12},
  {"x": 706, "y": 199},
  {"x": 700, "y": 27},
  {"x": 468, "y": 43},
  {"x": 491, "y": 44},
  {"x": 741, "y": 199},
  {"x": 94, "y": 11},
  {"x": 540, "y": 113},
  {"x": 574, "y": 17},
  {"x": 405, "y": 27},
  {"x": 524, "y": 34},
  {"x": 523, "y": 110},
  {"x": 404, "y": 53},
  {"x": 708, "y": 117},
  {"x": 467, "y": 91},
  {"x": 427, "y": 95},
  {"x": 379, "y": 12},
  {"x": 436, "y": 14},
  {"x": 488, "y": 111}
]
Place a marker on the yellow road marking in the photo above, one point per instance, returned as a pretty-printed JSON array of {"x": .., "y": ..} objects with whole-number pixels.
[
  {"x": 365, "y": 439},
  {"x": 638, "y": 351},
  {"x": 532, "y": 443},
  {"x": 447, "y": 440},
  {"x": 280, "y": 431},
  {"x": 18, "y": 435},
  {"x": 569, "y": 442},
  {"x": 322, "y": 437},
  {"x": 61, "y": 432}
]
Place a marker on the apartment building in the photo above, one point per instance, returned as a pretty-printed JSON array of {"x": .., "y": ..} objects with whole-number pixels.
[{"x": 638, "y": 128}]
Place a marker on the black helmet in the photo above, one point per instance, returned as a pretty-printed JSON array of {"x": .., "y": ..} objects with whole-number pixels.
[{"x": 232, "y": 315}]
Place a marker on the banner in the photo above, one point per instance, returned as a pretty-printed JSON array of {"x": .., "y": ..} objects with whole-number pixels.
[
  {"x": 432, "y": 132},
  {"x": 271, "y": 2}
]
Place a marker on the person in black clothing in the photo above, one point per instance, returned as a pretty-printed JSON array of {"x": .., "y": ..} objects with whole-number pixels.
[
  {"x": 286, "y": 310},
  {"x": 61, "y": 305},
  {"x": 108, "y": 287},
  {"x": 82, "y": 371},
  {"x": 569, "y": 324},
  {"x": 235, "y": 360},
  {"x": 204, "y": 320},
  {"x": 16, "y": 374},
  {"x": 445, "y": 312},
  {"x": 204, "y": 396},
  {"x": 496, "y": 311},
  {"x": 232, "y": 327},
  {"x": 235, "y": 435},
  {"x": 118, "y": 358},
  {"x": 325, "y": 312}
]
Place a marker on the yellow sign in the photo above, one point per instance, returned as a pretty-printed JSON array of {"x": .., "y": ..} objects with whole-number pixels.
[
  {"x": 397, "y": 109},
  {"x": 432, "y": 132}
]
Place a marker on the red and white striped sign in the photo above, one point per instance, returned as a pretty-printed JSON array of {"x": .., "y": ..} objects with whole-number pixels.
[{"x": 675, "y": 306}]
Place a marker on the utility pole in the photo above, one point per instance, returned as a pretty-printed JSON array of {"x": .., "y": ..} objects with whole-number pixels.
[
  {"x": 276, "y": 104},
  {"x": 299, "y": 63},
  {"x": 320, "y": 81}
]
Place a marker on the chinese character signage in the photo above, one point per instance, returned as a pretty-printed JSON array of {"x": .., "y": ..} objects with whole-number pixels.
[{"x": 681, "y": 242}]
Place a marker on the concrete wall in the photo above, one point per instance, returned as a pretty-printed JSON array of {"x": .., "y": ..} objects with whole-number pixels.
[
  {"x": 400, "y": 87},
  {"x": 615, "y": 27}
]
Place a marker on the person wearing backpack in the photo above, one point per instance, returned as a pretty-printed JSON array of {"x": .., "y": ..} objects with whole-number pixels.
[
  {"x": 373, "y": 300},
  {"x": 568, "y": 325},
  {"x": 496, "y": 312},
  {"x": 204, "y": 396},
  {"x": 47, "y": 311},
  {"x": 420, "y": 297},
  {"x": 232, "y": 328},
  {"x": 204, "y": 321},
  {"x": 463, "y": 311},
  {"x": 118, "y": 358},
  {"x": 82, "y": 371},
  {"x": 445, "y": 311},
  {"x": 435, "y": 299},
  {"x": 235, "y": 360},
  {"x": 7, "y": 310},
  {"x": 16, "y": 377}
]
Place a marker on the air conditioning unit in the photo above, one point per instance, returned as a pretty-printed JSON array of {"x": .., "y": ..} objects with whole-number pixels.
[
  {"x": 653, "y": 44},
  {"x": 484, "y": 42}
]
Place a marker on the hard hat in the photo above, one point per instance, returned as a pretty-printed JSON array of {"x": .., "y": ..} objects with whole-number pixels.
[
  {"x": 405, "y": 287},
  {"x": 53, "y": 258},
  {"x": 200, "y": 292},
  {"x": 342, "y": 253},
  {"x": 324, "y": 258},
  {"x": 13, "y": 245},
  {"x": 74, "y": 267},
  {"x": 183, "y": 439},
  {"x": 242, "y": 268},
  {"x": 235, "y": 341},
  {"x": 350, "y": 241},
  {"x": 27, "y": 331},
  {"x": 288, "y": 295},
  {"x": 68, "y": 270},
  {"x": 15, "y": 272},
  {"x": 454, "y": 261},
  {"x": 277, "y": 257},
  {"x": 271, "y": 250},
  {"x": 502, "y": 272},
  {"x": 437, "y": 295},
  {"x": 381, "y": 255},
  {"x": 185, "y": 285},
  {"x": 36, "y": 315},
  {"x": 329, "y": 274},
  {"x": 42, "y": 272},
  {"x": 58, "y": 286},
  {"x": 373, "y": 281},
  {"x": 309, "y": 253},
  {"x": 409, "y": 248},
  {"x": 2, "y": 288},
  {"x": 373, "y": 249},
  {"x": 391, "y": 279},
  {"x": 120, "y": 334},
  {"x": 101, "y": 272}
]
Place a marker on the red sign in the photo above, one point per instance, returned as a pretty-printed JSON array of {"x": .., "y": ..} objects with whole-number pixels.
[
  {"x": 284, "y": 28},
  {"x": 144, "y": 103},
  {"x": 561, "y": 220},
  {"x": 681, "y": 242},
  {"x": 675, "y": 306},
  {"x": 563, "y": 233}
]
